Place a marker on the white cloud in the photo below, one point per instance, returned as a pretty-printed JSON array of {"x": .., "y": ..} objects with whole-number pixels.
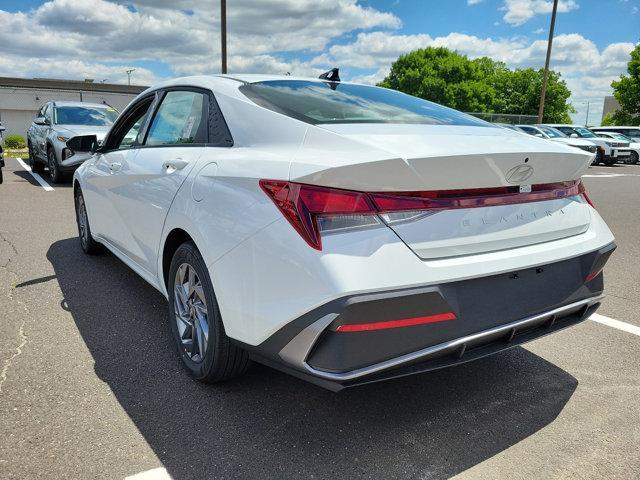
[
  {"x": 183, "y": 34},
  {"x": 473, "y": 2},
  {"x": 518, "y": 12}
]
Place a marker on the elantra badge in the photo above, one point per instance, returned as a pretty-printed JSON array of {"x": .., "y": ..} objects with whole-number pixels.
[{"x": 519, "y": 173}]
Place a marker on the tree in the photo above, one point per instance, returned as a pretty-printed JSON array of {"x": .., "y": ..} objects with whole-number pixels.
[
  {"x": 627, "y": 92},
  {"x": 479, "y": 85}
]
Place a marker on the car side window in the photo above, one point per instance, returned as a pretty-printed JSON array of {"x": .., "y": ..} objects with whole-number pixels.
[
  {"x": 529, "y": 130},
  {"x": 180, "y": 119},
  {"x": 129, "y": 132}
]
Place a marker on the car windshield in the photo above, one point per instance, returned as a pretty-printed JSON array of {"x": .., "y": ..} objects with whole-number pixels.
[
  {"x": 93, "y": 116},
  {"x": 619, "y": 136},
  {"x": 583, "y": 132},
  {"x": 324, "y": 102},
  {"x": 552, "y": 132}
]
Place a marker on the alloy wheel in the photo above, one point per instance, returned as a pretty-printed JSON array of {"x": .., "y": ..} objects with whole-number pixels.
[
  {"x": 191, "y": 314},
  {"x": 82, "y": 220},
  {"x": 53, "y": 168}
]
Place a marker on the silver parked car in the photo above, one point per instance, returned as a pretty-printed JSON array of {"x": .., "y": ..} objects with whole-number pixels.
[{"x": 57, "y": 122}]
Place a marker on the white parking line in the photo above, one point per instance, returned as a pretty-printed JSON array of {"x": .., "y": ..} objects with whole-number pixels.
[
  {"x": 610, "y": 322},
  {"x": 159, "y": 473},
  {"x": 38, "y": 178}
]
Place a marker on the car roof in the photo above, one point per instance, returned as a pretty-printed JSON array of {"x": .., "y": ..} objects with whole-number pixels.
[
  {"x": 618, "y": 126},
  {"x": 228, "y": 83}
]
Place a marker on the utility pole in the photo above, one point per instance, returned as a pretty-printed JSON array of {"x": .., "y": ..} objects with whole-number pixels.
[
  {"x": 545, "y": 79},
  {"x": 129, "y": 72},
  {"x": 223, "y": 34},
  {"x": 586, "y": 120}
]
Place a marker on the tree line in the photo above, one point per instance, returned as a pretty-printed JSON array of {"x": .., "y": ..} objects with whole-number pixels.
[{"x": 484, "y": 85}]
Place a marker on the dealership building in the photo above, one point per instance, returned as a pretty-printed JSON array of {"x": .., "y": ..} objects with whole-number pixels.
[{"x": 21, "y": 98}]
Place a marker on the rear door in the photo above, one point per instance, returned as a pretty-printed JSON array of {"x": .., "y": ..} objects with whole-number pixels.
[{"x": 146, "y": 183}]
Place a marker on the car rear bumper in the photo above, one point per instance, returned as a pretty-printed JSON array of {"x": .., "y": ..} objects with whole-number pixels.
[{"x": 491, "y": 314}]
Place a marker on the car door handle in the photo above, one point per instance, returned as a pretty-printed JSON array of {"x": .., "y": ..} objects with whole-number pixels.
[
  {"x": 115, "y": 167},
  {"x": 172, "y": 165}
]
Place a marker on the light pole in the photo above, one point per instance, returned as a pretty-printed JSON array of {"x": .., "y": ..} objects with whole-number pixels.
[
  {"x": 545, "y": 79},
  {"x": 586, "y": 120},
  {"x": 223, "y": 34},
  {"x": 129, "y": 72}
]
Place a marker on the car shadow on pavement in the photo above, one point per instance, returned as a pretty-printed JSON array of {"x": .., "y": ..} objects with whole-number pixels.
[{"x": 271, "y": 425}]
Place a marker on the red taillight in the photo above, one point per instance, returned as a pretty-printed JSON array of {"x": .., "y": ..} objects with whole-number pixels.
[
  {"x": 302, "y": 204},
  {"x": 471, "y": 198},
  {"x": 405, "y": 322}
]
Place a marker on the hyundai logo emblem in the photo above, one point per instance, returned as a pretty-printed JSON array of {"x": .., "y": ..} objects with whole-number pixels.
[{"x": 519, "y": 173}]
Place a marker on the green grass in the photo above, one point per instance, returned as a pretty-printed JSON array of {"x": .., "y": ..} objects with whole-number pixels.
[{"x": 22, "y": 153}]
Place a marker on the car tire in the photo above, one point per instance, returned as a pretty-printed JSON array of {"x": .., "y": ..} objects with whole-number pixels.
[
  {"x": 88, "y": 244},
  {"x": 599, "y": 158},
  {"x": 36, "y": 166},
  {"x": 633, "y": 158},
  {"x": 196, "y": 323},
  {"x": 55, "y": 174}
]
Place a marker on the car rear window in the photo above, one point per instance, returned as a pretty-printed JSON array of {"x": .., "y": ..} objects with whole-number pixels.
[{"x": 325, "y": 102}]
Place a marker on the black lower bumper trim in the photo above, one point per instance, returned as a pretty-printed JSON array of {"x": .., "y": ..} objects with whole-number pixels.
[{"x": 492, "y": 314}]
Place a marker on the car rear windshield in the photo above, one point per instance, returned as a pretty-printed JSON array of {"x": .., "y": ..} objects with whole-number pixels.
[
  {"x": 325, "y": 102},
  {"x": 93, "y": 116},
  {"x": 552, "y": 132}
]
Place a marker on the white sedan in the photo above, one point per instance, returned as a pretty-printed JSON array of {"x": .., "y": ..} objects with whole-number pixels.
[{"x": 343, "y": 233}]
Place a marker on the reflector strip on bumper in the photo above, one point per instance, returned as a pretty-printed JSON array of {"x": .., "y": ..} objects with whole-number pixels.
[{"x": 405, "y": 322}]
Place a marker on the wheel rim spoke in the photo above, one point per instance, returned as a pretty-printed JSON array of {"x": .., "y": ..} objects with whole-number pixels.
[{"x": 191, "y": 313}]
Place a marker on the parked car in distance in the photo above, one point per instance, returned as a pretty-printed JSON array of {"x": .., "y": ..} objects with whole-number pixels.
[
  {"x": 551, "y": 133},
  {"x": 343, "y": 233},
  {"x": 57, "y": 122},
  {"x": 631, "y": 132},
  {"x": 510, "y": 127},
  {"x": 634, "y": 147},
  {"x": 608, "y": 150}
]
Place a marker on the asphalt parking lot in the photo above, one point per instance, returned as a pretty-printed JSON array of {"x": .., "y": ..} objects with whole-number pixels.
[{"x": 90, "y": 386}]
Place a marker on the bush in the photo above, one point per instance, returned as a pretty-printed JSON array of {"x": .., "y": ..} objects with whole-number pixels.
[{"x": 15, "y": 142}]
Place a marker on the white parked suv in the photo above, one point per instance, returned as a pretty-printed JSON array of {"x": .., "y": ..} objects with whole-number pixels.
[
  {"x": 632, "y": 132},
  {"x": 550, "y": 133},
  {"x": 343, "y": 233},
  {"x": 57, "y": 122},
  {"x": 634, "y": 147},
  {"x": 608, "y": 150}
]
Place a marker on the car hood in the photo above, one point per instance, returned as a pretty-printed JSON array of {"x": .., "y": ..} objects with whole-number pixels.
[{"x": 78, "y": 130}]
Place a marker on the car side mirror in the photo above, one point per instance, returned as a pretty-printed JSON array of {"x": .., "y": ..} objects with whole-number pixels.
[
  {"x": 41, "y": 121},
  {"x": 83, "y": 143},
  {"x": 573, "y": 135},
  {"x": 539, "y": 135}
]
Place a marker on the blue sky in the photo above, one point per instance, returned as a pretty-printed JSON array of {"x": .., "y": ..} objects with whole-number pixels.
[{"x": 162, "y": 38}]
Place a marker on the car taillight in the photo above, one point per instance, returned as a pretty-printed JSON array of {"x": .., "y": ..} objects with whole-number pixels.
[{"x": 312, "y": 209}]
